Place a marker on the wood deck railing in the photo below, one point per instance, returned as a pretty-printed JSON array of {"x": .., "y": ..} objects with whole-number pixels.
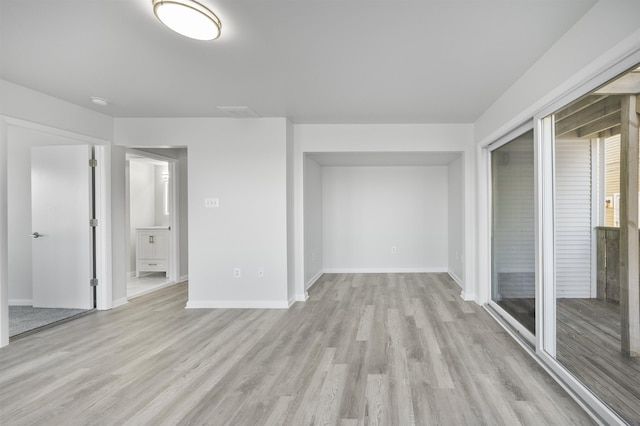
[{"x": 608, "y": 263}]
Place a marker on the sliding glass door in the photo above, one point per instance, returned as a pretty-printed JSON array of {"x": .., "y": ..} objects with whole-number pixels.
[
  {"x": 596, "y": 184},
  {"x": 513, "y": 230}
]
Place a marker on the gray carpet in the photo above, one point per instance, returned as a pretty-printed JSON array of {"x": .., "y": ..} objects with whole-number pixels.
[{"x": 27, "y": 318}]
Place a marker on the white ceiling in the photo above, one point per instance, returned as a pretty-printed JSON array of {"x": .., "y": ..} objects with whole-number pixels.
[
  {"x": 314, "y": 61},
  {"x": 372, "y": 159}
]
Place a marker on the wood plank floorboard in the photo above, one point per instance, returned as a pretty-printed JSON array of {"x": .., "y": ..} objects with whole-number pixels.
[
  {"x": 588, "y": 345},
  {"x": 365, "y": 349}
]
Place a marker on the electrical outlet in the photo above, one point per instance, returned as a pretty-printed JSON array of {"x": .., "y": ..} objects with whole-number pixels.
[
  {"x": 393, "y": 249},
  {"x": 260, "y": 272},
  {"x": 211, "y": 203},
  {"x": 236, "y": 273}
]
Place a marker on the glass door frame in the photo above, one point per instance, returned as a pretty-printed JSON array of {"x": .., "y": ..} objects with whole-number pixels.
[
  {"x": 542, "y": 345},
  {"x": 520, "y": 130},
  {"x": 544, "y": 141}
]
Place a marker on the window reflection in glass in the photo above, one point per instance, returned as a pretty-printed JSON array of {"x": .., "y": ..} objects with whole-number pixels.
[{"x": 513, "y": 229}]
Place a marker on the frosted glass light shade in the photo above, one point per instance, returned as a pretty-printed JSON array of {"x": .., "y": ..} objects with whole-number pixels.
[{"x": 189, "y": 18}]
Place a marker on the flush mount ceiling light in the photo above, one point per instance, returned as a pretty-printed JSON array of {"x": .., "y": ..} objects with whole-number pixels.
[
  {"x": 189, "y": 18},
  {"x": 99, "y": 101}
]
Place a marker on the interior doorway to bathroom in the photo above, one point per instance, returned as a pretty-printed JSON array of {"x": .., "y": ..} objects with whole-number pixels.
[{"x": 152, "y": 256}]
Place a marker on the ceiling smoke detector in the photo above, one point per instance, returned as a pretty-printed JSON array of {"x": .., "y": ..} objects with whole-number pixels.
[{"x": 239, "y": 111}]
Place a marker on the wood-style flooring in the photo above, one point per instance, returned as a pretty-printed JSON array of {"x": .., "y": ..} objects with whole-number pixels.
[
  {"x": 379, "y": 349},
  {"x": 588, "y": 345}
]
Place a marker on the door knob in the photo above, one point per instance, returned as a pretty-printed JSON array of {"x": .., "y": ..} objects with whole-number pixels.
[{"x": 35, "y": 235}]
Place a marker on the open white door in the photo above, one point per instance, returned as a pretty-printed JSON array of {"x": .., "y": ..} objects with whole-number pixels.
[{"x": 61, "y": 207}]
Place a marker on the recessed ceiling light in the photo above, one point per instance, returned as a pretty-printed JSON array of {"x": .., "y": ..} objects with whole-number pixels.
[
  {"x": 239, "y": 111},
  {"x": 99, "y": 101},
  {"x": 189, "y": 18}
]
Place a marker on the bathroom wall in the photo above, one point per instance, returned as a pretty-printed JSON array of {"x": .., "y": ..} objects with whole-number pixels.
[{"x": 160, "y": 176}]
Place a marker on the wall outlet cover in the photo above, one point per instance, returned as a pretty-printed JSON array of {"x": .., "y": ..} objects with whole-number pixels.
[{"x": 211, "y": 203}]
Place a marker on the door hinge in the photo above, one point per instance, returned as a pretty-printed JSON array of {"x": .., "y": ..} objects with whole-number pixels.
[
  {"x": 93, "y": 282},
  {"x": 93, "y": 162},
  {"x": 93, "y": 222}
]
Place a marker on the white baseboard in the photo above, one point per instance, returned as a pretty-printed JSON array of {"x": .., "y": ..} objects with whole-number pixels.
[
  {"x": 457, "y": 279},
  {"x": 20, "y": 302},
  {"x": 385, "y": 270},
  {"x": 302, "y": 297},
  {"x": 467, "y": 296},
  {"x": 183, "y": 278},
  {"x": 119, "y": 302},
  {"x": 312, "y": 281},
  {"x": 151, "y": 290},
  {"x": 237, "y": 304}
]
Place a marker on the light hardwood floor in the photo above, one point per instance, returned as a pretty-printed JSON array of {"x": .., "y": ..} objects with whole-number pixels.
[{"x": 396, "y": 349}]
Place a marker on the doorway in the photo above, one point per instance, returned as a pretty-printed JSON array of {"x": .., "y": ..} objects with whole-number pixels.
[
  {"x": 152, "y": 237},
  {"x": 50, "y": 188}
]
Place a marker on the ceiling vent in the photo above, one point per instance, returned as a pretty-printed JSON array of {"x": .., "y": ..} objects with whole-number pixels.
[{"x": 239, "y": 111}]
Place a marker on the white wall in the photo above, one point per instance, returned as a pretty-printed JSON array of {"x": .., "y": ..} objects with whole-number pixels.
[
  {"x": 311, "y": 138},
  {"x": 455, "y": 211},
  {"x": 313, "y": 262},
  {"x": 369, "y": 210},
  {"x": 183, "y": 213},
  {"x": 160, "y": 218},
  {"x": 243, "y": 163},
  {"x": 4, "y": 237},
  {"x": 291, "y": 237},
  {"x": 119, "y": 226}
]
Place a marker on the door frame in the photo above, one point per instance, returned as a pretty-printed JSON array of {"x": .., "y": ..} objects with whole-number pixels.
[
  {"x": 174, "y": 219},
  {"x": 103, "y": 214}
]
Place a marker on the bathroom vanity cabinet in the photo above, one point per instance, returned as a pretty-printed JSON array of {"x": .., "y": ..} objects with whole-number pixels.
[{"x": 152, "y": 250}]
